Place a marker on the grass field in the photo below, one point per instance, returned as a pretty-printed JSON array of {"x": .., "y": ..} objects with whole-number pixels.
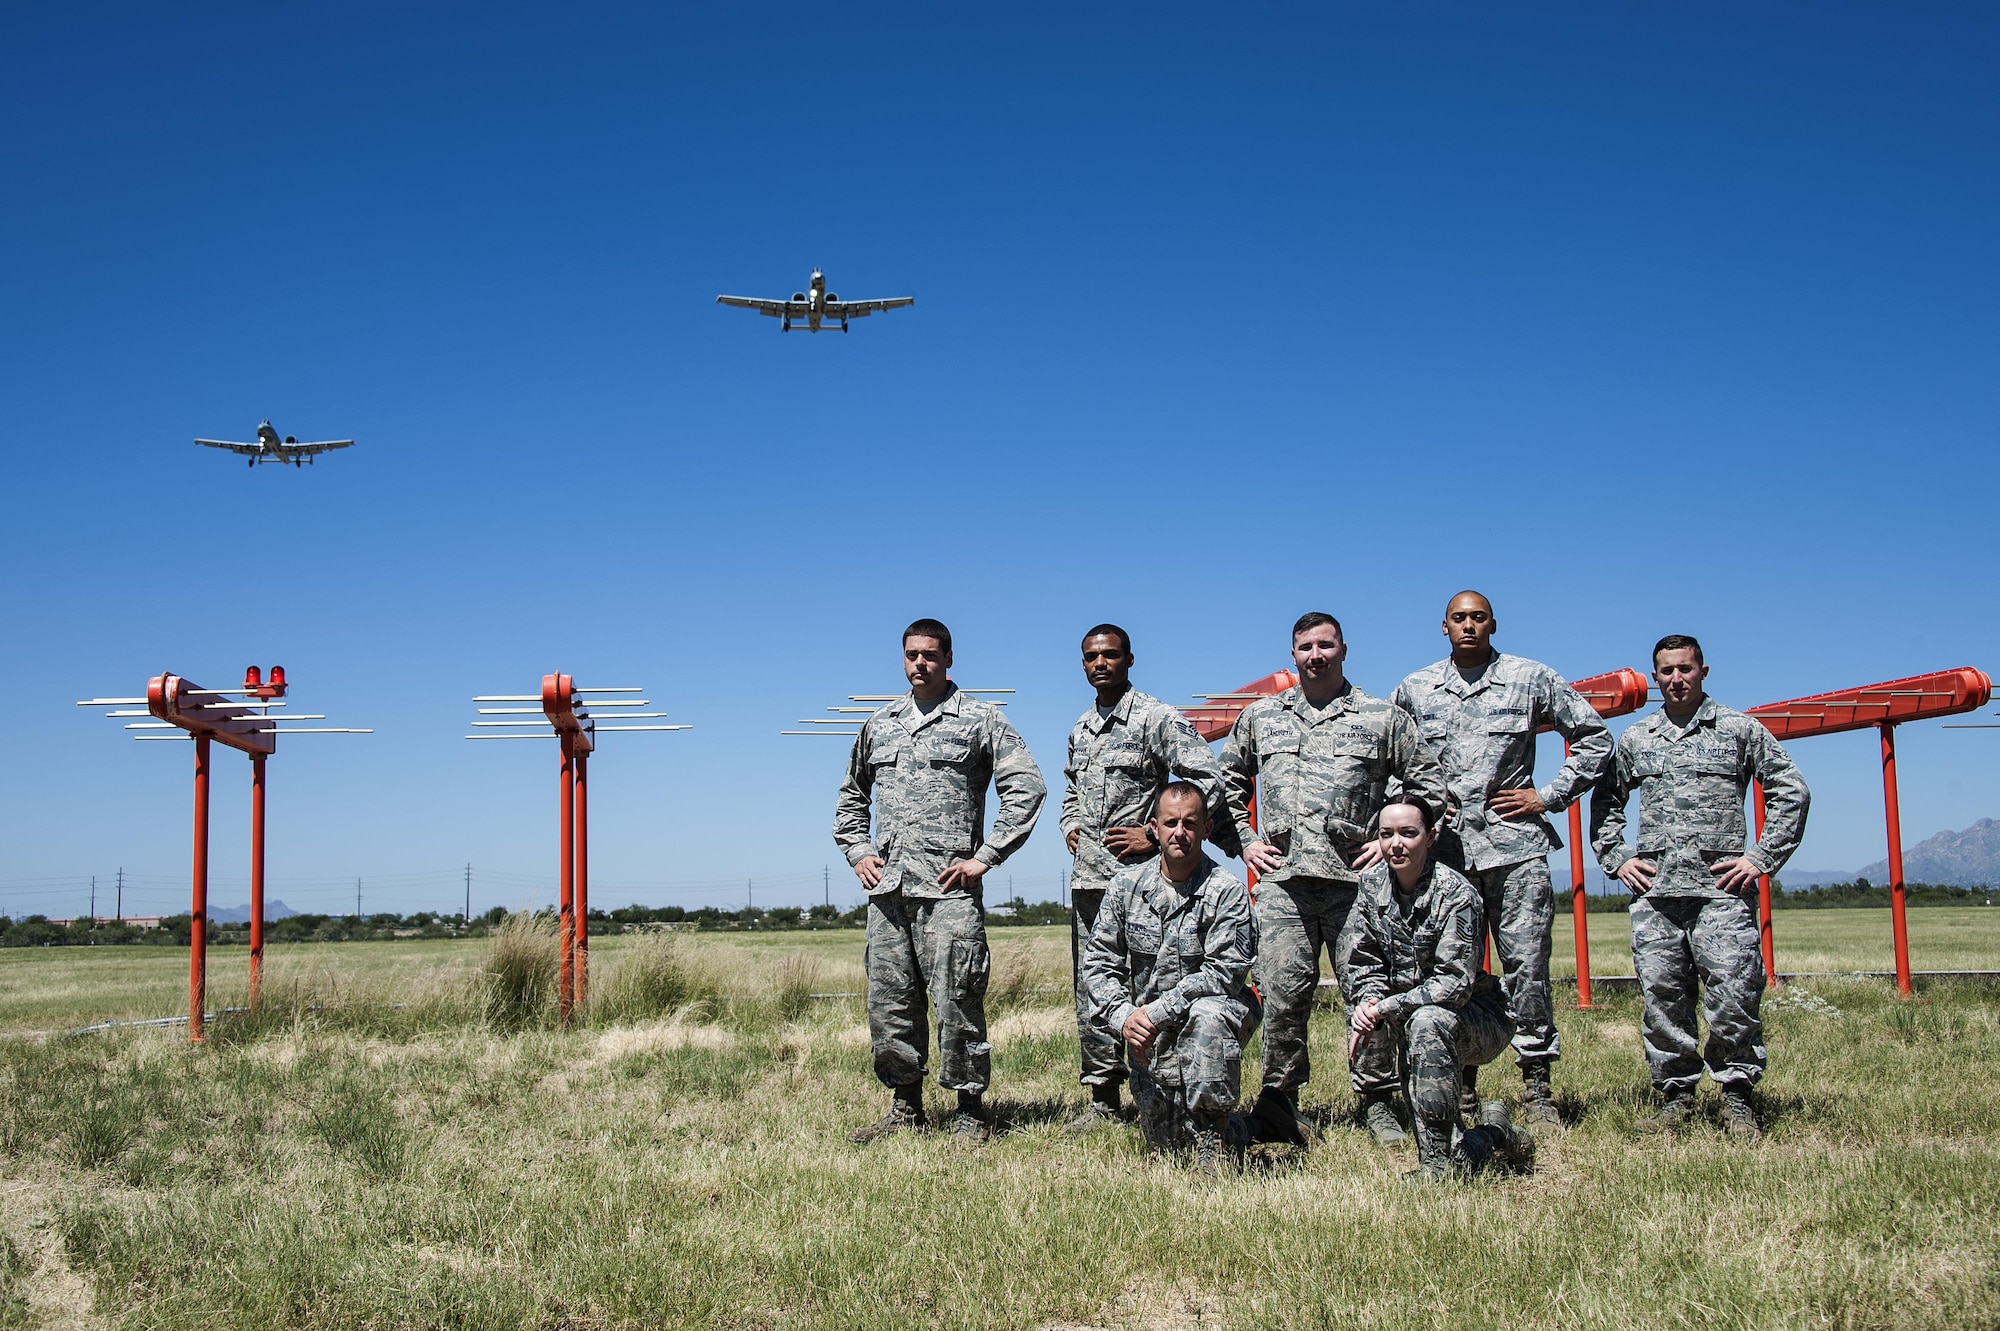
[{"x": 375, "y": 1150}]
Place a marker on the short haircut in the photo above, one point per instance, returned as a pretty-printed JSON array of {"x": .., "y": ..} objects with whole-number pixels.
[
  {"x": 1113, "y": 631},
  {"x": 1410, "y": 801},
  {"x": 1676, "y": 642},
  {"x": 1484, "y": 600},
  {"x": 929, "y": 628},
  {"x": 1181, "y": 790},
  {"x": 1312, "y": 619}
]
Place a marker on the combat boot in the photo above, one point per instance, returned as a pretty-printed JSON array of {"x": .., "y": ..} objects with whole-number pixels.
[
  {"x": 969, "y": 1124},
  {"x": 1276, "y": 1118},
  {"x": 1468, "y": 1092},
  {"x": 1434, "y": 1154},
  {"x": 1210, "y": 1151},
  {"x": 1672, "y": 1116},
  {"x": 1514, "y": 1146},
  {"x": 903, "y": 1116},
  {"x": 1380, "y": 1115},
  {"x": 1102, "y": 1109},
  {"x": 1739, "y": 1116},
  {"x": 1536, "y": 1096}
]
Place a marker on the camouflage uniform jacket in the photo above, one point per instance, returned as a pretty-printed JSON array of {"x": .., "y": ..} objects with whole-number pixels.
[
  {"x": 1424, "y": 950},
  {"x": 1319, "y": 777},
  {"x": 1483, "y": 731},
  {"x": 1117, "y": 767},
  {"x": 928, "y": 775},
  {"x": 1691, "y": 784},
  {"x": 1162, "y": 945}
]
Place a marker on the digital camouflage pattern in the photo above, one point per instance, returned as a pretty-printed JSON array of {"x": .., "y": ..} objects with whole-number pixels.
[
  {"x": 1520, "y": 907},
  {"x": 1183, "y": 952},
  {"x": 935, "y": 948},
  {"x": 1685, "y": 930},
  {"x": 1418, "y": 956},
  {"x": 1677, "y": 941},
  {"x": 1296, "y": 920},
  {"x": 1319, "y": 776},
  {"x": 928, "y": 777},
  {"x": 1117, "y": 767},
  {"x": 1483, "y": 731},
  {"x": 1691, "y": 782}
]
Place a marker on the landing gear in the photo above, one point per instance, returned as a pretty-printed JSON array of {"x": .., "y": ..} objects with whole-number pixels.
[
  {"x": 250, "y": 462},
  {"x": 785, "y": 327}
]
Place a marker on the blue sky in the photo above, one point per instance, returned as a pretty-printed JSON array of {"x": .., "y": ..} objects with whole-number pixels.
[{"x": 1640, "y": 320}]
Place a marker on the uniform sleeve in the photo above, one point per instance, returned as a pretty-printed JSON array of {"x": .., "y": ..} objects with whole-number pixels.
[
  {"x": 1021, "y": 788},
  {"x": 1589, "y": 743},
  {"x": 1364, "y": 972},
  {"x": 1607, "y": 809},
  {"x": 1071, "y": 818},
  {"x": 850, "y": 808},
  {"x": 1239, "y": 775},
  {"x": 1107, "y": 966},
  {"x": 1190, "y": 759},
  {"x": 1416, "y": 768},
  {"x": 1226, "y": 963},
  {"x": 1458, "y": 954},
  {"x": 1404, "y": 700},
  {"x": 1785, "y": 800}
]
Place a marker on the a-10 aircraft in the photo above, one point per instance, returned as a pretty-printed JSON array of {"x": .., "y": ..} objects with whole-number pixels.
[
  {"x": 815, "y": 306},
  {"x": 270, "y": 448}
]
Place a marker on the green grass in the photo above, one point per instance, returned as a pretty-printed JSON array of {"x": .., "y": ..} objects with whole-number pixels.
[{"x": 341, "y": 1161}]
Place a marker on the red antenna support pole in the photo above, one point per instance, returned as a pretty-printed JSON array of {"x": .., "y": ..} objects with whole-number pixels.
[
  {"x": 582, "y": 877},
  {"x": 1766, "y": 943},
  {"x": 198, "y": 897},
  {"x": 1616, "y": 693},
  {"x": 256, "y": 877},
  {"x": 1893, "y": 816},
  {"x": 566, "y": 904}
]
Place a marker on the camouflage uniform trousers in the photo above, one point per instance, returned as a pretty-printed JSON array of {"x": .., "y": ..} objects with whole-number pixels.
[
  {"x": 933, "y": 948},
  {"x": 1103, "y": 1049},
  {"x": 1520, "y": 913},
  {"x": 1675, "y": 941},
  {"x": 1295, "y": 920},
  {"x": 1194, "y": 1071},
  {"x": 1436, "y": 1043}
]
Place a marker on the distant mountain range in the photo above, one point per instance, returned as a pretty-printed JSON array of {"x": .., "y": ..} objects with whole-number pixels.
[
  {"x": 1953, "y": 859},
  {"x": 273, "y": 910}
]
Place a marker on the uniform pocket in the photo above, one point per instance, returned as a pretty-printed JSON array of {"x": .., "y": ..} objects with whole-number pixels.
[
  {"x": 971, "y": 967},
  {"x": 1143, "y": 936}
]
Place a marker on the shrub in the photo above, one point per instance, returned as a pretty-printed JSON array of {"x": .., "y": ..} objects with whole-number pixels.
[{"x": 520, "y": 970}]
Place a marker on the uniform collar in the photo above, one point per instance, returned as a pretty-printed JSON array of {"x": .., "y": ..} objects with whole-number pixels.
[
  {"x": 1176, "y": 896},
  {"x": 1454, "y": 681},
  {"x": 1704, "y": 715},
  {"x": 1294, "y": 699},
  {"x": 912, "y": 718},
  {"x": 1121, "y": 712}
]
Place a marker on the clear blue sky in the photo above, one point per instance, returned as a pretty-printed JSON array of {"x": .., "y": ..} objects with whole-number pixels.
[{"x": 1640, "y": 319}]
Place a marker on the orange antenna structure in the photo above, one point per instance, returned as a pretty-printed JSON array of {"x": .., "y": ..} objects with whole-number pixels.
[
  {"x": 1884, "y": 707},
  {"x": 247, "y": 720},
  {"x": 569, "y": 714}
]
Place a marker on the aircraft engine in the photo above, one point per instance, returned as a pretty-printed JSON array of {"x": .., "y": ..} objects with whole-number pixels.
[
  {"x": 291, "y": 439},
  {"x": 832, "y": 299},
  {"x": 799, "y": 296}
]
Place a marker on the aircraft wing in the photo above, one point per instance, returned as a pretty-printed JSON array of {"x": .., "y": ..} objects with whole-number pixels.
[
  {"x": 234, "y": 448},
  {"x": 861, "y": 309},
  {"x": 777, "y": 309},
  {"x": 323, "y": 446}
]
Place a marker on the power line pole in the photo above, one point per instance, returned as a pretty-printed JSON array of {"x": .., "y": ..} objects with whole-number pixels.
[
  {"x": 93, "y": 898},
  {"x": 825, "y": 885},
  {"x": 357, "y": 901},
  {"x": 467, "y": 918},
  {"x": 750, "y": 886},
  {"x": 121, "y": 894}
]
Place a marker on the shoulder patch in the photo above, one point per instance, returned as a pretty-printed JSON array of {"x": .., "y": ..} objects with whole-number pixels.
[{"x": 1186, "y": 727}]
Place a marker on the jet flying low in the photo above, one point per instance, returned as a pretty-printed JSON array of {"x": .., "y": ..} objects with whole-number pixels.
[
  {"x": 816, "y": 307},
  {"x": 269, "y": 447}
]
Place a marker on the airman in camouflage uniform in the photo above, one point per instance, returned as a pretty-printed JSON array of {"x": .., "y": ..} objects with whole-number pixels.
[
  {"x": 1691, "y": 879},
  {"x": 1416, "y": 990},
  {"x": 1317, "y": 759},
  {"x": 926, "y": 759},
  {"x": 1479, "y": 711},
  {"x": 1167, "y": 967},
  {"x": 1122, "y": 753}
]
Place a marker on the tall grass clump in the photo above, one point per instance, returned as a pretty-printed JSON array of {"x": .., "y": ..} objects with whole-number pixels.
[
  {"x": 519, "y": 976},
  {"x": 1008, "y": 984},
  {"x": 658, "y": 975},
  {"x": 798, "y": 980}
]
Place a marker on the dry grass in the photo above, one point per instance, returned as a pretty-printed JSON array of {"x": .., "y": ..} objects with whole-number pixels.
[{"x": 346, "y": 1162}]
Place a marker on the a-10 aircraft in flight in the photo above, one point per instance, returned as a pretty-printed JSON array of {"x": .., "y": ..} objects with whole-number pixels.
[
  {"x": 816, "y": 306},
  {"x": 270, "y": 448}
]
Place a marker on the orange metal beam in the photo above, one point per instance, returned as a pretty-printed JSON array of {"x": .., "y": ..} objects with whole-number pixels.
[{"x": 1918, "y": 698}]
